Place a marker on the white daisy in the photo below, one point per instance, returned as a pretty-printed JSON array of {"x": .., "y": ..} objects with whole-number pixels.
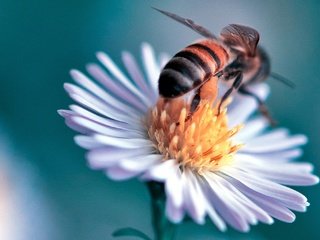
[{"x": 229, "y": 167}]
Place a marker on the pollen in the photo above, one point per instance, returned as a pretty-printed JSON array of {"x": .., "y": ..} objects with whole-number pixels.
[{"x": 200, "y": 140}]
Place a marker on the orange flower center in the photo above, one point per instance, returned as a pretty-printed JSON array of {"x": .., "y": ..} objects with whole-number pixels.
[{"x": 200, "y": 141}]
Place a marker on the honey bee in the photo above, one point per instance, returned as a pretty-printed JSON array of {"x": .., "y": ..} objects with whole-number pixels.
[{"x": 234, "y": 56}]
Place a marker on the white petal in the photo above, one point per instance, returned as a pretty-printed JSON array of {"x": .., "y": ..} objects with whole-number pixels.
[
  {"x": 159, "y": 172},
  {"x": 251, "y": 129},
  {"x": 244, "y": 160},
  {"x": 135, "y": 73},
  {"x": 231, "y": 211},
  {"x": 243, "y": 106},
  {"x": 98, "y": 128},
  {"x": 273, "y": 207},
  {"x": 140, "y": 163},
  {"x": 118, "y": 173},
  {"x": 193, "y": 197},
  {"x": 151, "y": 66},
  {"x": 240, "y": 114},
  {"x": 123, "y": 142},
  {"x": 255, "y": 209},
  {"x": 84, "y": 81},
  {"x": 296, "y": 206},
  {"x": 232, "y": 199},
  {"x": 215, "y": 218},
  {"x": 174, "y": 187},
  {"x": 284, "y": 175},
  {"x": 109, "y": 155},
  {"x": 68, "y": 115},
  {"x": 279, "y": 145},
  {"x": 87, "y": 100},
  {"x": 163, "y": 59},
  {"x": 266, "y": 187},
  {"x": 274, "y": 157},
  {"x": 174, "y": 213},
  {"x": 74, "y": 126},
  {"x": 115, "y": 87},
  {"x": 272, "y": 136},
  {"x": 87, "y": 142},
  {"x": 80, "y": 111},
  {"x": 65, "y": 113},
  {"x": 114, "y": 70}
]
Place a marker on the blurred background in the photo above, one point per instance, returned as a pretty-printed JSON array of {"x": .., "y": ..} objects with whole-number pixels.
[{"x": 46, "y": 189}]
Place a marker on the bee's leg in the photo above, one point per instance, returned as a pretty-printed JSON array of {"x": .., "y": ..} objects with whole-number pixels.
[
  {"x": 194, "y": 104},
  {"x": 197, "y": 97},
  {"x": 262, "y": 107},
  {"x": 235, "y": 86},
  {"x": 195, "y": 101}
]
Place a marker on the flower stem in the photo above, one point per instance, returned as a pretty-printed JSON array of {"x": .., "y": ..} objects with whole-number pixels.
[{"x": 163, "y": 229}]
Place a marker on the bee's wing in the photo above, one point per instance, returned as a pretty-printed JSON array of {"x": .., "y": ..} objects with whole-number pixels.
[
  {"x": 245, "y": 37},
  {"x": 189, "y": 23}
]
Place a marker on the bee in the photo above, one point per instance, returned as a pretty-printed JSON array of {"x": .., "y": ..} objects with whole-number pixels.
[{"x": 234, "y": 57}]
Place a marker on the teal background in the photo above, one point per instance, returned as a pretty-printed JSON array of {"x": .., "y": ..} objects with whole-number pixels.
[{"x": 41, "y": 40}]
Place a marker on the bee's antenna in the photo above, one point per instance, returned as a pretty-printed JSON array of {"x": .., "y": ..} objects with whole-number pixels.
[{"x": 282, "y": 79}]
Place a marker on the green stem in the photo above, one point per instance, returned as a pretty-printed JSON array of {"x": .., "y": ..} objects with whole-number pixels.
[{"x": 163, "y": 229}]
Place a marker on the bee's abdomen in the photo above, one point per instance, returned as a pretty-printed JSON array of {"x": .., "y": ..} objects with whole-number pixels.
[
  {"x": 188, "y": 68},
  {"x": 179, "y": 75}
]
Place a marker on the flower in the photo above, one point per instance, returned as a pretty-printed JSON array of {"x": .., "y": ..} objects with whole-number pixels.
[{"x": 228, "y": 166}]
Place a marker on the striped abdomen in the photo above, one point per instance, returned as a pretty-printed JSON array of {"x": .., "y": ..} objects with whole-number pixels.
[{"x": 189, "y": 67}]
